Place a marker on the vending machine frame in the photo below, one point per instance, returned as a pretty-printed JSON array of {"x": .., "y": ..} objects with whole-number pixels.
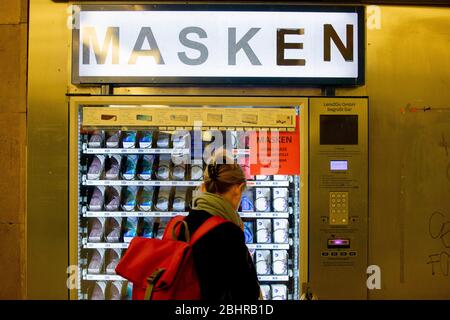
[{"x": 214, "y": 101}]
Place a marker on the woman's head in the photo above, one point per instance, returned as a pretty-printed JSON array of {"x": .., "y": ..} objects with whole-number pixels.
[{"x": 225, "y": 178}]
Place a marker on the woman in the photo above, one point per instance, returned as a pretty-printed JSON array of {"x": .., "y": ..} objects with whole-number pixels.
[{"x": 222, "y": 261}]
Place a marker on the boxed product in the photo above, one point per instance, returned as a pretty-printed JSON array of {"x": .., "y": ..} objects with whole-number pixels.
[
  {"x": 130, "y": 167},
  {"x": 163, "y": 198},
  {"x": 163, "y": 168},
  {"x": 96, "y": 229},
  {"x": 96, "y": 139},
  {"x": 129, "y": 139},
  {"x": 280, "y": 230},
  {"x": 112, "y": 198},
  {"x": 247, "y": 203},
  {"x": 280, "y": 199},
  {"x": 145, "y": 139},
  {"x": 96, "y": 261},
  {"x": 161, "y": 227},
  {"x": 145, "y": 198},
  {"x": 112, "y": 139},
  {"x": 279, "y": 292},
  {"x": 129, "y": 195},
  {"x": 147, "y": 227},
  {"x": 117, "y": 290},
  {"x": 163, "y": 140},
  {"x": 113, "y": 167},
  {"x": 96, "y": 167},
  {"x": 263, "y": 262},
  {"x": 112, "y": 259},
  {"x": 99, "y": 291},
  {"x": 263, "y": 230},
  {"x": 146, "y": 167},
  {"x": 196, "y": 172},
  {"x": 131, "y": 227},
  {"x": 178, "y": 172},
  {"x": 265, "y": 292},
  {"x": 262, "y": 199},
  {"x": 113, "y": 229},
  {"x": 97, "y": 199},
  {"x": 180, "y": 199},
  {"x": 248, "y": 231},
  {"x": 280, "y": 261}
]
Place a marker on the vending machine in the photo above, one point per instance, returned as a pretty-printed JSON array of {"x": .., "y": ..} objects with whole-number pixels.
[{"x": 136, "y": 162}]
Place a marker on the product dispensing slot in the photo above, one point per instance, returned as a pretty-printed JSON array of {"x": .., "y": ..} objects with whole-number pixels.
[{"x": 338, "y": 243}]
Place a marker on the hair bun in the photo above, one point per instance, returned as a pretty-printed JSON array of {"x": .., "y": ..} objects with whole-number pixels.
[{"x": 212, "y": 171}]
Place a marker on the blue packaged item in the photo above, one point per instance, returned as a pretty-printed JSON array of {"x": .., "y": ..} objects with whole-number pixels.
[
  {"x": 129, "y": 171},
  {"x": 147, "y": 227},
  {"x": 129, "y": 139},
  {"x": 146, "y": 139},
  {"x": 146, "y": 167},
  {"x": 248, "y": 231},
  {"x": 247, "y": 201},
  {"x": 130, "y": 229}
]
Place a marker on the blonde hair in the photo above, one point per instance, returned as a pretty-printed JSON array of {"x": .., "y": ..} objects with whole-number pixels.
[{"x": 222, "y": 172}]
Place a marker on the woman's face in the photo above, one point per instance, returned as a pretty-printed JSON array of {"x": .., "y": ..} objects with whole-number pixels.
[{"x": 234, "y": 195}]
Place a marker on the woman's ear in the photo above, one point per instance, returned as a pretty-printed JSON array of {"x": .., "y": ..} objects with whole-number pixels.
[{"x": 202, "y": 188}]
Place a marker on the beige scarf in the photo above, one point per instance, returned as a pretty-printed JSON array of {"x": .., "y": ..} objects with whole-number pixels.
[{"x": 217, "y": 206}]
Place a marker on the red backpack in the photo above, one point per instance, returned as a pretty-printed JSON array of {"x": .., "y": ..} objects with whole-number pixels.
[{"x": 164, "y": 269}]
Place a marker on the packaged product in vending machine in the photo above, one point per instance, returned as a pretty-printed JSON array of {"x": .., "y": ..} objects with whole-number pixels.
[
  {"x": 113, "y": 139},
  {"x": 129, "y": 195},
  {"x": 145, "y": 198},
  {"x": 130, "y": 167},
  {"x": 163, "y": 140},
  {"x": 131, "y": 226},
  {"x": 146, "y": 167},
  {"x": 147, "y": 227},
  {"x": 265, "y": 292},
  {"x": 99, "y": 291},
  {"x": 97, "y": 199},
  {"x": 113, "y": 167},
  {"x": 96, "y": 139},
  {"x": 248, "y": 231},
  {"x": 262, "y": 199},
  {"x": 280, "y": 199},
  {"x": 163, "y": 198},
  {"x": 263, "y": 230},
  {"x": 279, "y": 292},
  {"x": 163, "y": 168},
  {"x": 96, "y": 229},
  {"x": 112, "y": 198},
  {"x": 96, "y": 167},
  {"x": 180, "y": 199},
  {"x": 129, "y": 139},
  {"x": 145, "y": 139},
  {"x": 196, "y": 172},
  {"x": 263, "y": 262},
  {"x": 161, "y": 226},
  {"x": 117, "y": 290},
  {"x": 113, "y": 229},
  {"x": 280, "y": 230},
  {"x": 96, "y": 261},
  {"x": 112, "y": 259},
  {"x": 247, "y": 203},
  {"x": 261, "y": 177},
  {"x": 280, "y": 261},
  {"x": 279, "y": 177}
]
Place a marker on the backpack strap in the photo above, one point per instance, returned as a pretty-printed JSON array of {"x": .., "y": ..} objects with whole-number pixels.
[
  {"x": 207, "y": 226},
  {"x": 171, "y": 226}
]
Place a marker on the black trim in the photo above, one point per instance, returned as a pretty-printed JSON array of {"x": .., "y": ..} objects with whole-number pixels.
[{"x": 226, "y": 81}]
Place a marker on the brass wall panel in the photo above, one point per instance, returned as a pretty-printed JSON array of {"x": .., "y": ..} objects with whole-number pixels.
[{"x": 47, "y": 189}]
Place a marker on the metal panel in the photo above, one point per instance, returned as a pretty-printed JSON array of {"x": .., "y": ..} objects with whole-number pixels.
[{"x": 338, "y": 189}]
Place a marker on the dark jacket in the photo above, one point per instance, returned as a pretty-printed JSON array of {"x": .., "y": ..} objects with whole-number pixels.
[{"x": 222, "y": 261}]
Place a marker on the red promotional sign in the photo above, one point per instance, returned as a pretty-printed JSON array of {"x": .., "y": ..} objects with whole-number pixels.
[{"x": 273, "y": 152}]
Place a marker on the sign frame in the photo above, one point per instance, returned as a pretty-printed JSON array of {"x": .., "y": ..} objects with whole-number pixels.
[{"x": 223, "y": 81}]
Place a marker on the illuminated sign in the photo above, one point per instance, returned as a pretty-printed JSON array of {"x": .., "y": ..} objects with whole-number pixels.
[{"x": 174, "y": 44}]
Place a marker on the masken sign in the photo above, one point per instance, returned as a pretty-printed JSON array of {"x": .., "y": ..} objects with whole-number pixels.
[{"x": 194, "y": 44}]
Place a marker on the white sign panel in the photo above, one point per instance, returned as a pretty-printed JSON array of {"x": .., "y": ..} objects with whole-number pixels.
[{"x": 194, "y": 46}]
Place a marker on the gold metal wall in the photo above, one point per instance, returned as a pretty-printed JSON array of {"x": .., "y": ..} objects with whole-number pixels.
[{"x": 407, "y": 65}]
